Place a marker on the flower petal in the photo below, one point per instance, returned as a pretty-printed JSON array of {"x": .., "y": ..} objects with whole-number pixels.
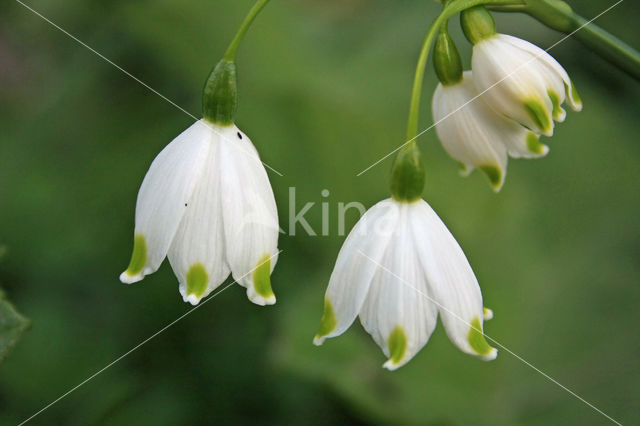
[
  {"x": 250, "y": 216},
  {"x": 167, "y": 186},
  {"x": 355, "y": 267},
  {"x": 525, "y": 144},
  {"x": 452, "y": 283},
  {"x": 197, "y": 253},
  {"x": 398, "y": 311},
  {"x": 470, "y": 131}
]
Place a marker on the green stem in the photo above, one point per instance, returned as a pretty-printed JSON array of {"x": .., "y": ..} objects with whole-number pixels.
[
  {"x": 609, "y": 47},
  {"x": 449, "y": 10},
  {"x": 558, "y": 15},
  {"x": 230, "y": 54}
]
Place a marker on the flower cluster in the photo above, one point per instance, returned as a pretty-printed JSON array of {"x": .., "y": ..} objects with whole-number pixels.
[
  {"x": 512, "y": 95},
  {"x": 400, "y": 267},
  {"x": 207, "y": 205}
]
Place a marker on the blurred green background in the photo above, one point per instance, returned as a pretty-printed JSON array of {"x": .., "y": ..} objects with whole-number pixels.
[{"x": 324, "y": 92}]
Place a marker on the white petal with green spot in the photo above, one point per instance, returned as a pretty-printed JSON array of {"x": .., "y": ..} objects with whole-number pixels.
[
  {"x": 167, "y": 186},
  {"x": 450, "y": 279},
  {"x": 398, "y": 312},
  {"x": 250, "y": 216},
  {"x": 199, "y": 238},
  {"x": 355, "y": 268}
]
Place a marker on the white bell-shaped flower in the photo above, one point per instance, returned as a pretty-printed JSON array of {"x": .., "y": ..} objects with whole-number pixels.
[
  {"x": 477, "y": 136},
  {"x": 398, "y": 268},
  {"x": 207, "y": 204},
  {"x": 522, "y": 81},
  {"x": 517, "y": 78}
]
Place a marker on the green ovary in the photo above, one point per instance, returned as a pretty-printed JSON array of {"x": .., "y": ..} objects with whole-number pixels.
[
  {"x": 138, "y": 257},
  {"x": 397, "y": 345},
  {"x": 197, "y": 279},
  {"x": 538, "y": 114},
  {"x": 262, "y": 277},
  {"x": 476, "y": 338},
  {"x": 328, "y": 322}
]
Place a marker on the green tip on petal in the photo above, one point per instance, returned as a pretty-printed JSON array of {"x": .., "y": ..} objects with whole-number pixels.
[
  {"x": 197, "y": 279},
  {"x": 328, "y": 322},
  {"x": 540, "y": 117},
  {"x": 262, "y": 278},
  {"x": 477, "y": 341},
  {"x": 558, "y": 113},
  {"x": 138, "y": 257},
  {"x": 575, "y": 97},
  {"x": 397, "y": 346},
  {"x": 464, "y": 169},
  {"x": 494, "y": 173},
  {"x": 487, "y": 314},
  {"x": 534, "y": 146}
]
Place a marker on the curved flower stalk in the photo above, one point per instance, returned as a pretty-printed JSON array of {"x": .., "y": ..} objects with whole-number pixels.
[
  {"x": 469, "y": 130},
  {"x": 517, "y": 78},
  {"x": 398, "y": 269},
  {"x": 206, "y": 202}
]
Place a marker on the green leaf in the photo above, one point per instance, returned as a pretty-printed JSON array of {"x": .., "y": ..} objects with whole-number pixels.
[{"x": 12, "y": 325}]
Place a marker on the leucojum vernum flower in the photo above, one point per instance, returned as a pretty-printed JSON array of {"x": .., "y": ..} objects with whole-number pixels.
[
  {"x": 398, "y": 269},
  {"x": 512, "y": 95},
  {"x": 206, "y": 202}
]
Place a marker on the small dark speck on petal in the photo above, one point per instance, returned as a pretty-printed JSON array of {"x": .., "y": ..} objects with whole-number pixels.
[
  {"x": 185, "y": 204},
  {"x": 239, "y": 135}
]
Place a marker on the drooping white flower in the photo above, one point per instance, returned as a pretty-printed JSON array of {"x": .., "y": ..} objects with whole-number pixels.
[
  {"x": 521, "y": 81},
  {"x": 477, "y": 136},
  {"x": 206, "y": 204},
  {"x": 398, "y": 268}
]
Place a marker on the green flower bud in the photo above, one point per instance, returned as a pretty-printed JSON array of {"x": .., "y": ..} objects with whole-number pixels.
[
  {"x": 477, "y": 24},
  {"x": 446, "y": 60},
  {"x": 220, "y": 95},
  {"x": 407, "y": 174}
]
